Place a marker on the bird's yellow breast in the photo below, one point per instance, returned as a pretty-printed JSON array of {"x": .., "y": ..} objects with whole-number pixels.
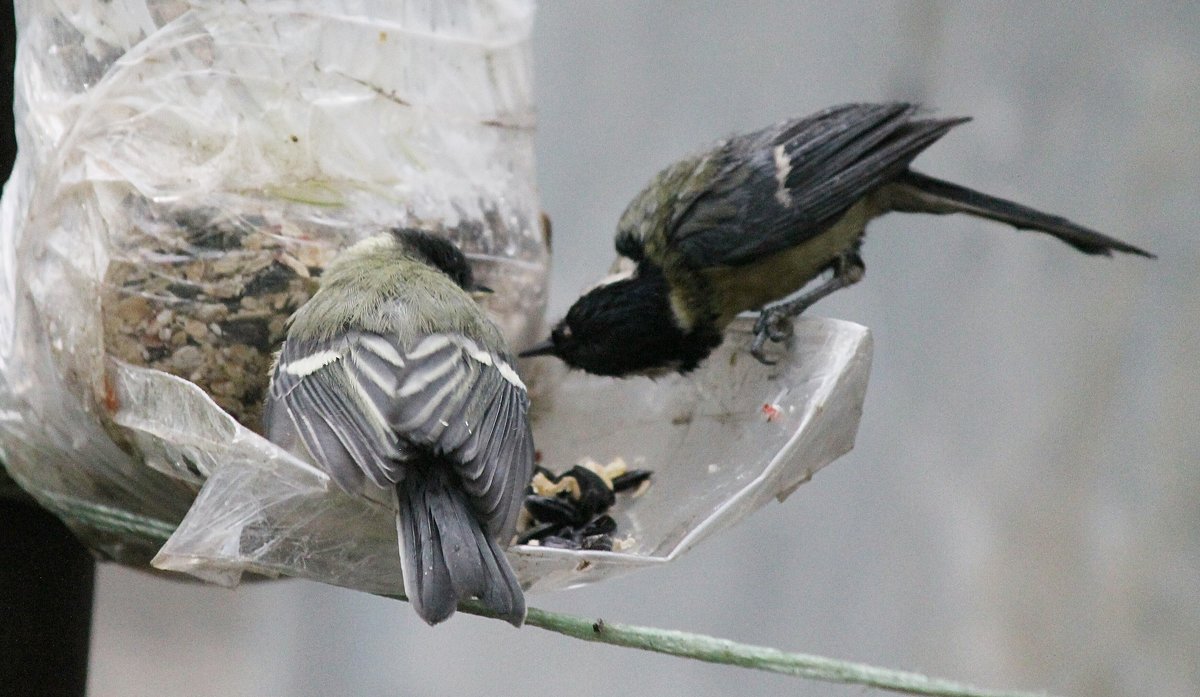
[{"x": 738, "y": 289}]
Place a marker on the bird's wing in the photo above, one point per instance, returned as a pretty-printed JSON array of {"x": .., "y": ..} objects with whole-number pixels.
[
  {"x": 764, "y": 192},
  {"x": 366, "y": 404},
  {"x": 309, "y": 397}
]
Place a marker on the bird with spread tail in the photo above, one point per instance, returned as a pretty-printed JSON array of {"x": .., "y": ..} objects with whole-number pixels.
[{"x": 392, "y": 376}]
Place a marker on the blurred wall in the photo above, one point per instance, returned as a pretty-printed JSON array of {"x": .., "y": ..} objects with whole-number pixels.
[{"x": 1021, "y": 510}]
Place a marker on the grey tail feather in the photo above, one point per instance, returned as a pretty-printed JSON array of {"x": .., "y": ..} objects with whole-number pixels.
[
  {"x": 445, "y": 554},
  {"x": 913, "y": 192}
]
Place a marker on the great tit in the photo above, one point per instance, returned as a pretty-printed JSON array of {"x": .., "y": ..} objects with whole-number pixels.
[
  {"x": 391, "y": 374},
  {"x": 752, "y": 221}
]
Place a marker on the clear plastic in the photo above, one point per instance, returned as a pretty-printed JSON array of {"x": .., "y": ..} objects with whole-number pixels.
[
  {"x": 722, "y": 442},
  {"x": 186, "y": 169}
]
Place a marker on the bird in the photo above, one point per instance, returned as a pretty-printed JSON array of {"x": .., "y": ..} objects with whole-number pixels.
[
  {"x": 747, "y": 224},
  {"x": 392, "y": 376}
]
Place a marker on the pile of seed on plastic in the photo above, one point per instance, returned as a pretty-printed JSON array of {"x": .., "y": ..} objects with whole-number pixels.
[{"x": 570, "y": 510}]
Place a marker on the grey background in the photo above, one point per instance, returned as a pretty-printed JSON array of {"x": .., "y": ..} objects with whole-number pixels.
[{"x": 1023, "y": 506}]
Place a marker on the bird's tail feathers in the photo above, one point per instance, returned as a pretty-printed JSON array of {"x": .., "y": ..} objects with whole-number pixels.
[
  {"x": 914, "y": 192},
  {"x": 446, "y": 556}
]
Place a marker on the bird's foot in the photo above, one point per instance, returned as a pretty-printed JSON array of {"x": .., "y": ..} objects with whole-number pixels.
[{"x": 772, "y": 324}]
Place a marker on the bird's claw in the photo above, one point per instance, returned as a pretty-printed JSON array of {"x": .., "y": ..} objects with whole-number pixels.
[
  {"x": 756, "y": 348},
  {"x": 776, "y": 326}
]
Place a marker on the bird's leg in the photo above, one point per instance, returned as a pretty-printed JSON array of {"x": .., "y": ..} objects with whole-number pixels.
[{"x": 774, "y": 321}]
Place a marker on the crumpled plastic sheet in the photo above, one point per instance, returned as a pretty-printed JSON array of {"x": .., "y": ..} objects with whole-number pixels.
[
  {"x": 722, "y": 442},
  {"x": 186, "y": 167},
  {"x": 180, "y": 159}
]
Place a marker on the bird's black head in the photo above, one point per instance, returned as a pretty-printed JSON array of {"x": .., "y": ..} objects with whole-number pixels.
[
  {"x": 626, "y": 327},
  {"x": 440, "y": 253}
]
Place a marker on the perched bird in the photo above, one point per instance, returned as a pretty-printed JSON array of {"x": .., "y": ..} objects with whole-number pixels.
[
  {"x": 753, "y": 220},
  {"x": 391, "y": 374}
]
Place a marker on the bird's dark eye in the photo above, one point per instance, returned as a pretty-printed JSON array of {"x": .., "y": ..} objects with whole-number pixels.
[{"x": 561, "y": 333}]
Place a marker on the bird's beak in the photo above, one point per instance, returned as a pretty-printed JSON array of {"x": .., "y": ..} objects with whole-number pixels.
[
  {"x": 480, "y": 292},
  {"x": 543, "y": 348}
]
